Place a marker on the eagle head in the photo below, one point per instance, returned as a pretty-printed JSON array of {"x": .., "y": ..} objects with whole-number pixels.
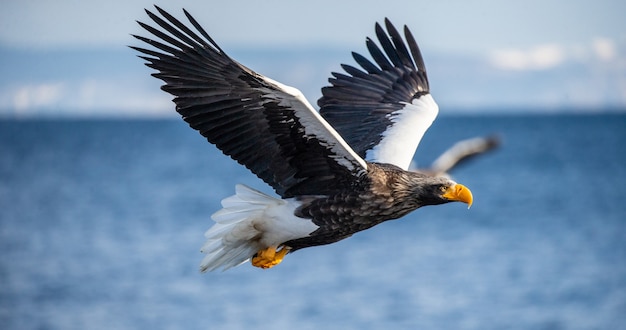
[{"x": 431, "y": 190}]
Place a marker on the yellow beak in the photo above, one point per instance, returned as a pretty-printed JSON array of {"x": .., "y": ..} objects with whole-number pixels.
[{"x": 459, "y": 193}]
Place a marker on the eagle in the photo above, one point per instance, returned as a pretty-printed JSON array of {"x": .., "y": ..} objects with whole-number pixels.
[
  {"x": 460, "y": 153},
  {"x": 338, "y": 171}
]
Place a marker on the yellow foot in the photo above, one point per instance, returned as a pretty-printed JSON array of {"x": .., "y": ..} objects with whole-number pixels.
[{"x": 269, "y": 257}]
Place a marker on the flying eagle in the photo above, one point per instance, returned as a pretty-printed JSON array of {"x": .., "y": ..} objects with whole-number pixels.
[
  {"x": 338, "y": 171},
  {"x": 460, "y": 153}
]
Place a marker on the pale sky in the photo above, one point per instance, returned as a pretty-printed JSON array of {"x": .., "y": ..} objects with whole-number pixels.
[{"x": 449, "y": 25}]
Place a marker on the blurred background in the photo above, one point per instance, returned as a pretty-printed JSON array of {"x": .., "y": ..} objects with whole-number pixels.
[
  {"x": 69, "y": 58},
  {"x": 105, "y": 193}
]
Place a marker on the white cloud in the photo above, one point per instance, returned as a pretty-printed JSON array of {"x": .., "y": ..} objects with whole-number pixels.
[
  {"x": 536, "y": 58},
  {"x": 35, "y": 96},
  {"x": 604, "y": 48},
  {"x": 547, "y": 56},
  {"x": 86, "y": 97}
]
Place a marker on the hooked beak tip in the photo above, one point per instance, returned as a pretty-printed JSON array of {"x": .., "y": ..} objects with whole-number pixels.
[{"x": 459, "y": 193}]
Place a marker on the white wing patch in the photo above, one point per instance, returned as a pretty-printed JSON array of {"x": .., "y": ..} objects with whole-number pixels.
[
  {"x": 402, "y": 137},
  {"x": 316, "y": 126}
]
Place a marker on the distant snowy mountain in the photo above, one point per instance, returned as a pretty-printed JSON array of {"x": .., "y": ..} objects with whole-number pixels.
[{"x": 114, "y": 82}]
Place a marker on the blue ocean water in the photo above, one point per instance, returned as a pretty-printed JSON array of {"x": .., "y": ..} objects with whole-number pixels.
[{"x": 101, "y": 224}]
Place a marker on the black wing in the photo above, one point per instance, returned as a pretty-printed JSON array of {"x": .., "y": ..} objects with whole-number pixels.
[
  {"x": 266, "y": 126},
  {"x": 387, "y": 105}
]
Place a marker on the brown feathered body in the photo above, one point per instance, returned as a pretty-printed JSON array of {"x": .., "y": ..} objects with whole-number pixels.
[{"x": 387, "y": 192}]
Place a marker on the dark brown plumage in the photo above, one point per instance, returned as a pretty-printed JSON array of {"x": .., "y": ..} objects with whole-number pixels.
[{"x": 387, "y": 192}]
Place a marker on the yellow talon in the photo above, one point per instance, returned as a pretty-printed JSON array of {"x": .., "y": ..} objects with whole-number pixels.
[{"x": 269, "y": 257}]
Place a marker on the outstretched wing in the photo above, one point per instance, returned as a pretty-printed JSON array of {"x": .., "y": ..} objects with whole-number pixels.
[
  {"x": 268, "y": 127},
  {"x": 463, "y": 151},
  {"x": 384, "y": 111}
]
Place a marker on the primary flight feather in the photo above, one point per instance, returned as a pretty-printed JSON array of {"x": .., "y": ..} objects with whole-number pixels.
[{"x": 338, "y": 171}]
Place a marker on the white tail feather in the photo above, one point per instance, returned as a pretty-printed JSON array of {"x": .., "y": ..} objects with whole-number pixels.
[{"x": 248, "y": 222}]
